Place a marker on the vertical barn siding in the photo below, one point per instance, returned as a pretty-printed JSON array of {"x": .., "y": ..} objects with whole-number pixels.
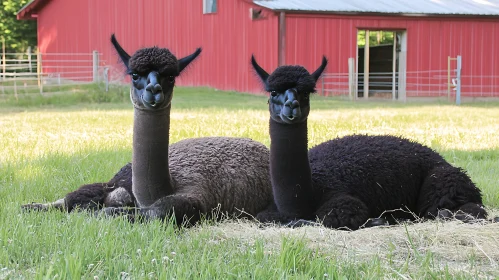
[
  {"x": 429, "y": 42},
  {"x": 228, "y": 37}
]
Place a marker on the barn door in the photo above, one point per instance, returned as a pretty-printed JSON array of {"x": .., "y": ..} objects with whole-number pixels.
[{"x": 379, "y": 63}]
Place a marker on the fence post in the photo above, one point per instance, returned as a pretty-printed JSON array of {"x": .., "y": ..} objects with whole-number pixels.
[
  {"x": 95, "y": 66},
  {"x": 351, "y": 77},
  {"x": 15, "y": 86},
  {"x": 402, "y": 90},
  {"x": 29, "y": 59},
  {"x": 322, "y": 85},
  {"x": 106, "y": 78},
  {"x": 3, "y": 58},
  {"x": 458, "y": 78},
  {"x": 366, "y": 67},
  {"x": 39, "y": 70},
  {"x": 448, "y": 78}
]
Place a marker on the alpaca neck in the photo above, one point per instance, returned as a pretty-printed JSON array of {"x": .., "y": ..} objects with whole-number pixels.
[
  {"x": 150, "y": 171},
  {"x": 290, "y": 169}
]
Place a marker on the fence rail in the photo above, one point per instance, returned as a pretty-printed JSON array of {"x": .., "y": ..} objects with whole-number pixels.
[
  {"x": 432, "y": 83},
  {"x": 449, "y": 83},
  {"x": 29, "y": 73}
]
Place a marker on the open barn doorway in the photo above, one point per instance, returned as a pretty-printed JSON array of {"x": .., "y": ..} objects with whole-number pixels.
[{"x": 381, "y": 64}]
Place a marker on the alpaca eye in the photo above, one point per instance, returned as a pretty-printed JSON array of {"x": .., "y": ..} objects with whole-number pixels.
[
  {"x": 170, "y": 79},
  {"x": 273, "y": 93},
  {"x": 135, "y": 76}
]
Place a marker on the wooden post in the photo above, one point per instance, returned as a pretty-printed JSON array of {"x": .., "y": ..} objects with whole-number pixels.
[
  {"x": 3, "y": 58},
  {"x": 448, "y": 78},
  {"x": 29, "y": 59},
  {"x": 394, "y": 67},
  {"x": 95, "y": 66},
  {"x": 15, "y": 87},
  {"x": 39, "y": 70},
  {"x": 322, "y": 85},
  {"x": 351, "y": 78},
  {"x": 366, "y": 67},
  {"x": 402, "y": 75},
  {"x": 402, "y": 55},
  {"x": 458, "y": 78}
]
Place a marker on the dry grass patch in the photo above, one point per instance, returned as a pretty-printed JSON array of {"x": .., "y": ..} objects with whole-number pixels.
[{"x": 453, "y": 246}]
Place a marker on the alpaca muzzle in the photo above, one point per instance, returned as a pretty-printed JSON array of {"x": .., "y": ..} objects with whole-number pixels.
[
  {"x": 291, "y": 109},
  {"x": 153, "y": 95}
]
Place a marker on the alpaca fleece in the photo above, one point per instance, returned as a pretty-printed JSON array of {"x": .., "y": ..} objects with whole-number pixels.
[
  {"x": 385, "y": 173},
  {"x": 209, "y": 173},
  {"x": 289, "y": 166},
  {"x": 346, "y": 182},
  {"x": 291, "y": 76},
  {"x": 187, "y": 180},
  {"x": 150, "y": 177},
  {"x": 154, "y": 59},
  {"x": 226, "y": 173}
]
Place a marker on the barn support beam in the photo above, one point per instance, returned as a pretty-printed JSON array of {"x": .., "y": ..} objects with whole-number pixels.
[
  {"x": 282, "y": 39},
  {"x": 351, "y": 79},
  {"x": 394, "y": 67},
  {"x": 366, "y": 67},
  {"x": 402, "y": 94}
]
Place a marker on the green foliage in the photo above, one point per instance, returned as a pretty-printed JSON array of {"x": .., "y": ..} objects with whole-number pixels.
[
  {"x": 18, "y": 34},
  {"x": 375, "y": 38}
]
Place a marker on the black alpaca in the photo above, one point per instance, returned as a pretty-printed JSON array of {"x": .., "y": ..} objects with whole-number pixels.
[
  {"x": 189, "y": 178},
  {"x": 351, "y": 181}
]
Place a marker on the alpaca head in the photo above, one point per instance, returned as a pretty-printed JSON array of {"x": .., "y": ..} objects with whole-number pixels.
[
  {"x": 153, "y": 72},
  {"x": 290, "y": 87}
]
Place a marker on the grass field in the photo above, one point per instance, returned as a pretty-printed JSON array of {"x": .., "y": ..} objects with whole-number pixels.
[{"x": 51, "y": 145}]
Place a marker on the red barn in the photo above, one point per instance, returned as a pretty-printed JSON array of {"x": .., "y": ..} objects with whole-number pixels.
[{"x": 391, "y": 48}]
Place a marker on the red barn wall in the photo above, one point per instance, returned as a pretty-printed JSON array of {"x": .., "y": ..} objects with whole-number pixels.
[
  {"x": 429, "y": 43},
  {"x": 228, "y": 37}
]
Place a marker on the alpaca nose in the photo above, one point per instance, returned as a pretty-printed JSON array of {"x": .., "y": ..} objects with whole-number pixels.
[
  {"x": 153, "y": 94},
  {"x": 154, "y": 88},
  {"x": 290, "y": 99},
  {"x": 152, "y": 83}
]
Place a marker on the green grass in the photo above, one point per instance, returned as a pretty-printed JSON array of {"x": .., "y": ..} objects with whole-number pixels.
[{"x": 51, "y": 145}]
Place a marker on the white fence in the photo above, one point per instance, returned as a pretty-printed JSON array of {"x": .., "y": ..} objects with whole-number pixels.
[
  {"x": 446, "y": 83},
  {"x": 30, "y": 73}
]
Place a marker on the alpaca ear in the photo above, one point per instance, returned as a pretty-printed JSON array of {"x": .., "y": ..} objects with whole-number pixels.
[
  {"x": 121, "y": 52},
  {"x": 259, "y": 70},
  {"x": 318, "y": 72},
  {"x": 183, "y": 62}
]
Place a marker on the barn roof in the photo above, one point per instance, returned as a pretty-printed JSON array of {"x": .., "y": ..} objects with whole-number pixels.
[
  {"x": 30, "y": 9},
  {"x": 396, "y": 7},
  {"x": 399, "y": 7}
]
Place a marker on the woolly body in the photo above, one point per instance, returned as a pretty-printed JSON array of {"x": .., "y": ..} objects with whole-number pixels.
[
  {"x": 347, "y": 181},
  {"x": 224, "y": 173},
  {"x": 150, "y": 176},
  {"x": 385, "y": 173},
  {"x": 190, "y": 178}
]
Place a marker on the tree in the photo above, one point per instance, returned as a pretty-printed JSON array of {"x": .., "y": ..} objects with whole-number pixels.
[
  {"x": 18, "y": 34},
  {"x": 375, "y": 38}
]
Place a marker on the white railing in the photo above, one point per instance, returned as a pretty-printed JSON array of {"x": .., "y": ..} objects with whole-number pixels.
[
  {"x": 25, "y": 73},
  {"x": 443, "y": 83}
]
